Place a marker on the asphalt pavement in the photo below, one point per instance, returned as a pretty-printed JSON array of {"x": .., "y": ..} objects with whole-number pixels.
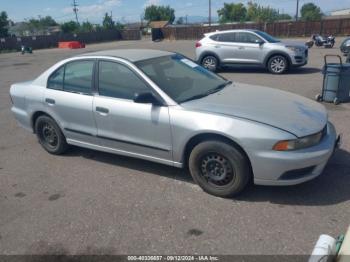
[{"x": 88, "y": 202}]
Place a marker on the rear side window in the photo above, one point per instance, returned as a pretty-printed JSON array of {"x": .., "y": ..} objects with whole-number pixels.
[
  {"x": 73, "y": 77},
  {"x": 118, "y": 81},
  {"x": 228, "y": 37},
  {"x": 78, "y": 77},
  {"x": 243, "y": 37},
  {"x": 56, "y": 79}
]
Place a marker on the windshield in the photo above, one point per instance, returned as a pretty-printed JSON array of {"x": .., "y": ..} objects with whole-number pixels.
[
  {"x": 267, "y": 37},
  {"x": 180, "y": 78}
]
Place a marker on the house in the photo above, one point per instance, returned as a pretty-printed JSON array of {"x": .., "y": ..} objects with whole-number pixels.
[
  {"x": 341, "y": 12},
  {"x": 155, "y": 24}
]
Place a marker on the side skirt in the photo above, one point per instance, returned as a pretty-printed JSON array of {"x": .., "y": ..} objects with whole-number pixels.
[{"x": 123, "y": 153}]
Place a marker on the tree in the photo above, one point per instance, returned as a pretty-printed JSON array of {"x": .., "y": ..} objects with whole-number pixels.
[
  {"x": 160, "y": 13},
  {"x": 232, "y": 13},
  {"x": 180, "y": 21},
  {"x": 4, "y": 23},
  {"x": 70, "y": 27},
  {"x": 284, "y": 17},
  {"x": 86, "y": 27},
  {"x": 310, "y": 12},
  {"x": 119, "y": 26},
  {"x": 39, "y": 25},
  {"x": 261, "y": 14},
  {"x": 108, "y": 22}
]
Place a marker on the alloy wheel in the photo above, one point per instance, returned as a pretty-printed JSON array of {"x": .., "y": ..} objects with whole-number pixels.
[{"x": 278, "y": 65}]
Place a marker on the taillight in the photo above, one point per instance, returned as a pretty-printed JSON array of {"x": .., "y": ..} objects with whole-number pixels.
[{"x": 198, "y": 44}]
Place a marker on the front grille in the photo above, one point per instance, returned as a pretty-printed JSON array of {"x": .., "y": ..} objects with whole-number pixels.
[{"x": 297, "y": 173}]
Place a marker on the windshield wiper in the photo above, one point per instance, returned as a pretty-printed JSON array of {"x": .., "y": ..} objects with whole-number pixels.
[{"x": 209, "y": 92}]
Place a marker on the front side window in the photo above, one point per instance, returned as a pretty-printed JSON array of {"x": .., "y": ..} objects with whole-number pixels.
[
  {"x": 180, "y": 78},
  {"x": 78, "y": 77},
  {"x": 118, "y": 81}
]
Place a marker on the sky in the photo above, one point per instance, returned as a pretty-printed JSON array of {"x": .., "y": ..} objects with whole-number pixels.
[{"x": 131, "y": 10}]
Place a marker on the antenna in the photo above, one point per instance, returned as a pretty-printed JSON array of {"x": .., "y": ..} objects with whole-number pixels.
[{"x": 75, "y": 10}]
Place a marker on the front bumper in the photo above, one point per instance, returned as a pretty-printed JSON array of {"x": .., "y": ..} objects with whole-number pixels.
[{"x": 286, "y": 168}]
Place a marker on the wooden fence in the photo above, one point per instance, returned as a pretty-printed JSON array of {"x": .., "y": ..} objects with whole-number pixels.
[
  {"x": 47, "y": 41},
  {"x": 284, "y": 29}
]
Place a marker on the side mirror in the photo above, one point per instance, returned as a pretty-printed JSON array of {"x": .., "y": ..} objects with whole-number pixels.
[
  {"x": 259, "y": 41},
  {"x": 146, "y": 98}
]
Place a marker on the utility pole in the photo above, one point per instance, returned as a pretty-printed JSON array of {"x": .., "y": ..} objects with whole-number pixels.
[
  {"x": 297, "y": 11},
  {"x": 209, "y": 12},
  {"x": 75, "y": 10}
]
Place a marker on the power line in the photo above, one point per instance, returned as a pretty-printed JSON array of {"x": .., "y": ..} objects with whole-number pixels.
[{"x": 75, "y": 10}]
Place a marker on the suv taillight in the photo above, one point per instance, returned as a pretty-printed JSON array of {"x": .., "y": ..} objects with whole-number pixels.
[{"x": 198, "y": 44}]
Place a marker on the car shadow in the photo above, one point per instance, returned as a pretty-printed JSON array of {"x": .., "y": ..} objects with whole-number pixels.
[
  {"x": 260, "y": 70},
  {"x": 332, "y": 187}
]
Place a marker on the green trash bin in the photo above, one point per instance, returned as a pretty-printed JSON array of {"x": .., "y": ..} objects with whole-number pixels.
[{"x": 336, "y": 82}]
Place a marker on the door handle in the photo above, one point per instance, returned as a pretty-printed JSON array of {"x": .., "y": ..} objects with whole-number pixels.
[
  {"x": 50, "y": 101},
  {"x": 241, "y": 47},
  {"x": 217, "y": 46},
  {"x": 102, "y": 110}
]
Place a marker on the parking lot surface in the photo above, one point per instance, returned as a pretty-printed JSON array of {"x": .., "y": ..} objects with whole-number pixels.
[{"x": 88, "y": 202}]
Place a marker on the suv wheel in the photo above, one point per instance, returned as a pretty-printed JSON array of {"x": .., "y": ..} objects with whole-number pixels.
[
  {"x": 219, "y": 169},
  {"x": 277, "y": 64},
  {"x": 211, "y": 63},
  {"x": 50, "y": 135}
]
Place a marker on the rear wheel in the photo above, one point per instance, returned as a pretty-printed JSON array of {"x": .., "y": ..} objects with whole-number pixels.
[
  {"x": 50, "y": 135},
  {"x": 219, "y": 169},
  {"x": 211, "y": 63},
  {"x": 277, "y": 64}
]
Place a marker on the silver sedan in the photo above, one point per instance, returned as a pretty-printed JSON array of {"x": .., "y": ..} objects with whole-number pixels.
[{"x": 163, "y": 107}]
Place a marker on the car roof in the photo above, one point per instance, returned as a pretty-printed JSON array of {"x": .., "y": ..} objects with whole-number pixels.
[
  {"x": 132, "y": 55},
  {"x": 231, "y": 31}
]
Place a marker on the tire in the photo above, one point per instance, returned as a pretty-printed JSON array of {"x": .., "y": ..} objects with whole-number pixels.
[
  {"x": 277, "y": 64},
  {"x": 219, "y": 169},
  {"x": 319, "y": 98},
  {"x": 50, "y": 135},
  {"x": 211, "y": 63}
]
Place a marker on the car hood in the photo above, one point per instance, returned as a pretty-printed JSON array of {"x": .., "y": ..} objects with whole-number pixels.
[
  {"x": 292, "y": 43},
  {"x": 287, "y": 111}
]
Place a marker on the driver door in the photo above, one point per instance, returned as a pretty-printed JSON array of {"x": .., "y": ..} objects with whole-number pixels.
[{"x": 135, "y": 129}]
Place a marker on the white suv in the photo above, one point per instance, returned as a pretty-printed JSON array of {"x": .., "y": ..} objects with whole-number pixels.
[{"x": 249, "y": 47}]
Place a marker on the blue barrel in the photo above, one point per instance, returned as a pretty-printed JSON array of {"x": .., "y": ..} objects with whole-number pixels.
[
  {"x": 331, "y": 81},
  {"x": 336, "y": 82}
]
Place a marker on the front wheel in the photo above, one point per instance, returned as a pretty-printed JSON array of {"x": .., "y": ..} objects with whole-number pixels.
[
  {"x": 219, "y": 169},
  {"x": 211, "y": 63},
  {"x": 277, "y": 64},
  {"x": 50, "y": 135}
]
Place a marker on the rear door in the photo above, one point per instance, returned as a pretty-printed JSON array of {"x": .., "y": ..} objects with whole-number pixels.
[
  {"x": 131, "y": 128},
  {"x": 68, "y": 99},
  {"x": 225, "y": 47}
]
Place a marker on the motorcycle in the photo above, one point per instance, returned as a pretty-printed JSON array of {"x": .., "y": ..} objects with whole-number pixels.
[{"x": 318, "y": 40}]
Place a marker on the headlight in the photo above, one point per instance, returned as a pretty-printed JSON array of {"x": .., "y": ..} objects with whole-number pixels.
[
  {"x": 300, "y": 143},
  {"x": 295, "y": 49}
]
